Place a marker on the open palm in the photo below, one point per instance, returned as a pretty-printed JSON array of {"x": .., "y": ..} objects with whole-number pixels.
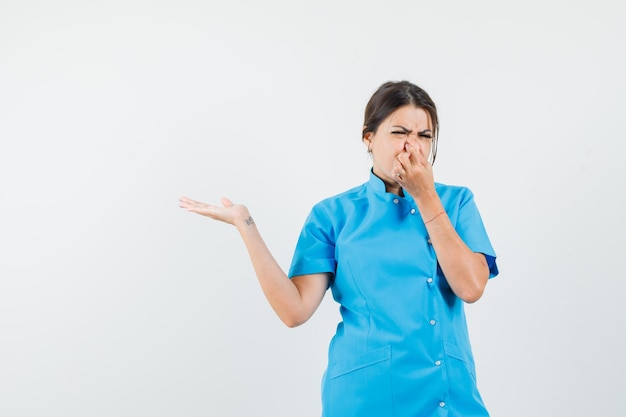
[{"x": 229, "y": 212}]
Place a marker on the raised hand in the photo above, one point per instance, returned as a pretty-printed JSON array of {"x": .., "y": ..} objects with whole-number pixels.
[
  {"x": 235, "y": 214},
  {"x": 413, "y": 171}
]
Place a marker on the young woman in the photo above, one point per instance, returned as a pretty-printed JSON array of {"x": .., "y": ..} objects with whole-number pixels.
[{"x": 401, "y": 255}]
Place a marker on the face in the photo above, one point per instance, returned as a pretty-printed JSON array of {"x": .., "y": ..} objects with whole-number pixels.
[{"x": 407, "y": 124}]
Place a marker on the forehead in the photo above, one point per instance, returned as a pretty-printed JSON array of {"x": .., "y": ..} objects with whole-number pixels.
[{"x": 409, "y": 116}]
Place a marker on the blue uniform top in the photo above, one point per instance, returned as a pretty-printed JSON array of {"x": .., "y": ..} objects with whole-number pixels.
[{"x": 402, "y": 348}]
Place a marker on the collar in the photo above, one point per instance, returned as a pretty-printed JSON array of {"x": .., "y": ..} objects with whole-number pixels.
[{"x": 378, "y": 189}]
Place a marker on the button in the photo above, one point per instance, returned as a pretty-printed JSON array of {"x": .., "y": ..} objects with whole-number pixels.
[
  {"x": 412, "y": 211},
  {"x": 432, "y": 322},
  {"x": 396, "y": 201},
  {"x": 429, "y": 241},
  {"x": 429, "y": 280},
  {"x": 442, "y": 404},
  {"x": 438, "y": 363}
]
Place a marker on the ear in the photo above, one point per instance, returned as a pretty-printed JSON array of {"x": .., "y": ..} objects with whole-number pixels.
[{"x": 367, "y": 138}]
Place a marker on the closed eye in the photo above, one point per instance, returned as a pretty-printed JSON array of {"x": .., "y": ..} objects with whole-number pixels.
[
  {"x": 426, "y": 134},
  {"x": 403, "y": 132}
]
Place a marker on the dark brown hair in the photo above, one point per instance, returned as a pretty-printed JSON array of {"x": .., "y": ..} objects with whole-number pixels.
[{"x": 392, "y": 95}]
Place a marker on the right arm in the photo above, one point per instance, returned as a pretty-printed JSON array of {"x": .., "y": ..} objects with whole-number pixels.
[{"x": 294, "y": 300}]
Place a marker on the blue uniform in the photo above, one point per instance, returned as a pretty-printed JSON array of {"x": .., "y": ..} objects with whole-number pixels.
[{"x": 402, "y": 348}]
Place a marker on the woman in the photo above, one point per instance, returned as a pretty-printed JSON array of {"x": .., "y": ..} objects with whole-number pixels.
[{"x": 401, "y": 255}]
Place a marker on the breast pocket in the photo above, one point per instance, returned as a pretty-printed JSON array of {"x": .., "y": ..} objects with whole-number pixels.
[{"x": 360, "y": 386}]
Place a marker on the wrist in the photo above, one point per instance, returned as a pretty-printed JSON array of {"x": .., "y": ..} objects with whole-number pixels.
[
  {"x": 434, "y": 217},
  {"x": 243, "y": 219},
  {"x": 428, "y": 203}
]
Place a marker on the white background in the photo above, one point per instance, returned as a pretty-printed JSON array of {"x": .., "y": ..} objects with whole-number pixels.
[{"x": 115, "y": 302}]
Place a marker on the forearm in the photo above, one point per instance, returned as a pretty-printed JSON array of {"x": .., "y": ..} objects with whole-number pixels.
[
  {"x": 466, "y": 271},
  {"x": 294, "y": 300},
  {"x": 282, "y": 294}
]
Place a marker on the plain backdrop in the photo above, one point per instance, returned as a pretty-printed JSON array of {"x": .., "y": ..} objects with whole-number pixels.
[{"x": 116, "y": 302}]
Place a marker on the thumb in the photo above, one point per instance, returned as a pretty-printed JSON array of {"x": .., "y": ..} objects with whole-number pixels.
[
  {"x": 226, "y": 202},
  {"x": 409, "y": 146}
]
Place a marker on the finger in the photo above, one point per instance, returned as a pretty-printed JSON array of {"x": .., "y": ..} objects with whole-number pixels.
[
  {"x": 403, "y": 159},
  {"x": 189, "y": 201},
  {"x": 403, "y": 167},
  {"x": 194, "y": 206},
  {"x": 418, "y": 151},
  {"x": 413, "y": 149},
  {"x": 197, "y": 207},
  {"x": 397, "y": 169},
  {"x": 185, "y": 202},
  {"x": 410, "y": 150},
  {"x": 226, "y": 202}
]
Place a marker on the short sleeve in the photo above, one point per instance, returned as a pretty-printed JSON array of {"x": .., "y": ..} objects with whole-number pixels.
[
  {"x": 315, "y": 250},
  {"x": 470, "y": 227}
]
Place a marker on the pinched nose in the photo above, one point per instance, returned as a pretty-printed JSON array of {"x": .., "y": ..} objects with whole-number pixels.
[{"x": 411, "y": 145}]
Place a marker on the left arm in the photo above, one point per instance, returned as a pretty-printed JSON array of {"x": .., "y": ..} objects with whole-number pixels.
[{"x": 466, "y": 271}]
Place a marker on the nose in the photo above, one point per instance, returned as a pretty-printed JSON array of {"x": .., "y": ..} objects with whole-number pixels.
[{"x": 412, "y": 140}]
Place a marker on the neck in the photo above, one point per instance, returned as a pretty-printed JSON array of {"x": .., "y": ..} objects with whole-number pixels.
[{"x": 394, "y": 189}]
